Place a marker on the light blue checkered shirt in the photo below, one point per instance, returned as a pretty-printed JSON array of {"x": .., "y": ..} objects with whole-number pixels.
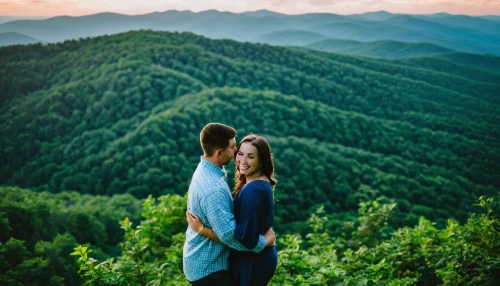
[{"x": 210, "y": 199}]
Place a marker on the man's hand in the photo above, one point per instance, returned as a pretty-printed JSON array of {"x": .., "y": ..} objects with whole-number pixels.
[
  {"x": 193, "y": 221},
  {"x": 270, "y": 238}
]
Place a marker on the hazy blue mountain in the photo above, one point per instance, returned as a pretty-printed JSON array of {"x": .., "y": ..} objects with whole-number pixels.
[
  {"x": 438, "y": 30},
  {"x": 374, "y": 16},
  {"x": 10, "y": 38},
  {"x": 463, "y": 39},
  {"x": 458, "y": 33},
  {"x": 462, "y": 21},
  {"x": 264, "y": 13},
  {"x": 291, "y": 37},
  {"x": 5, "y": 19},
  {"x": 65, "y": 27},
  {"x": 380, "y": 49},
  {"x": 491, "y": 17},
  {"x": 369, "y": 31},
  {"x": 437, "y": 15},
  {"x": 237, "y": 26}
]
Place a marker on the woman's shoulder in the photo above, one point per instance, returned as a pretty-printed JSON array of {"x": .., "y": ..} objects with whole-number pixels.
[{"x": 259, "y": 185}]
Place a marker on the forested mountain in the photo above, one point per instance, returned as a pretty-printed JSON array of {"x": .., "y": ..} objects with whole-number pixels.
[
  {"x": 122, "y": 114},
  {"x": 40, "y": 230},
  {"x": 456, "y": 32}
]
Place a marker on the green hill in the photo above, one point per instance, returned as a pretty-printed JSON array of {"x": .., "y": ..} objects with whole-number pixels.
[
  {"x": 441, "y": 65},
  {"x": 122, "y": 114},
  {"x": 482, "y": 62}
]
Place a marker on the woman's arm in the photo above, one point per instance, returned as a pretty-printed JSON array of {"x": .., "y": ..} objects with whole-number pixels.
[{"x": 196, "y": 225}]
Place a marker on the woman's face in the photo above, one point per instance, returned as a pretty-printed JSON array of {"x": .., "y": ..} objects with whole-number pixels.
[{"x": 247, "y": 160}]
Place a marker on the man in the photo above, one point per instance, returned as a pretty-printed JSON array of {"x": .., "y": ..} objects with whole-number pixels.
[{"x": 206, "y": 261}]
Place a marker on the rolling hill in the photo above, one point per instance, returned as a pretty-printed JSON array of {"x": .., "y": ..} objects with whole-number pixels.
[{"x": 122, "y": 113}]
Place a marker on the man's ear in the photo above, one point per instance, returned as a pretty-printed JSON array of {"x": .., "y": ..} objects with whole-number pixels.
[{"x": 218, "y": 152}]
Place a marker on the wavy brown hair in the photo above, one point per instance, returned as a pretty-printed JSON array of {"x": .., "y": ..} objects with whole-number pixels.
[{"x": 265, "y": 158}]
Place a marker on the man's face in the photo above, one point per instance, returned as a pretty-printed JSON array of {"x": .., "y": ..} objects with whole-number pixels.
[{"x": 227, "y": 155}]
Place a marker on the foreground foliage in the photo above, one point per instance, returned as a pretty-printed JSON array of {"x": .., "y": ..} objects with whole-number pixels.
[{"x": 367, "y": 253}]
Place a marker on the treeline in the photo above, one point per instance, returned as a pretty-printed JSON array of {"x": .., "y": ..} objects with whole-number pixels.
[{"x": 40, "y": 230}]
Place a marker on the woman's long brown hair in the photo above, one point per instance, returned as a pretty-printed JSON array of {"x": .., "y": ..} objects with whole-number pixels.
[{"x": 265, "y": 158}]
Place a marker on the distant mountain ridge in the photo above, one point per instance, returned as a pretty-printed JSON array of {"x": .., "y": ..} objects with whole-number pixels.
[
  {"x": 5, "y": 19},
  {"x": 457, "y": 32}
]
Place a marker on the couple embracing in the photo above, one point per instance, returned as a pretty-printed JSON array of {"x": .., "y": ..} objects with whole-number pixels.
[{"x": 229, "y": 240}]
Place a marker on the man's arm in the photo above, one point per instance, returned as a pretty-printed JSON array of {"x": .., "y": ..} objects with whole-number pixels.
[
  {"x": 196, "y": 225},
  {"x": 217, "y": 209}
]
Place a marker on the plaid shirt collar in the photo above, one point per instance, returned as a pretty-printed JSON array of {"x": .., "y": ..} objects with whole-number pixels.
[{"x": 221, "y": 172}]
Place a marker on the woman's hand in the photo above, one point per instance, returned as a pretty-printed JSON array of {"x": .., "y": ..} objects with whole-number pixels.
[{"x": 193, "y": 221}]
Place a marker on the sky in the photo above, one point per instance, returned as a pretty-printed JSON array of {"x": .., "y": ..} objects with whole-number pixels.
[{"x": 134, "y": 7}]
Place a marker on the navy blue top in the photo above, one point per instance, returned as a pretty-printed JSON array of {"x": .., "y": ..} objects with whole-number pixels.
[{"x": 254, "y": 214}]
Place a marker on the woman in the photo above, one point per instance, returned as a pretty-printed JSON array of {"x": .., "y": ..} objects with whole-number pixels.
[{"x": 253, "y": 211}]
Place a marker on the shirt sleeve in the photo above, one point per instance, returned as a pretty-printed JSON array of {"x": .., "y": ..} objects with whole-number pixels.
[
  {"x": 218, "y": 213},
  {"x": 247, "y": 226}
]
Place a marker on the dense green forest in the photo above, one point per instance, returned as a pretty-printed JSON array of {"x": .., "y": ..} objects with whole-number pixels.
[
  {"x": 94, "y": 126},
  {"x": 40, "y": 230}
]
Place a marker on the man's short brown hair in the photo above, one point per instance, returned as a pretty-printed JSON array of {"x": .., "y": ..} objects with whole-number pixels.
[{"x": 216, "y": 136}]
